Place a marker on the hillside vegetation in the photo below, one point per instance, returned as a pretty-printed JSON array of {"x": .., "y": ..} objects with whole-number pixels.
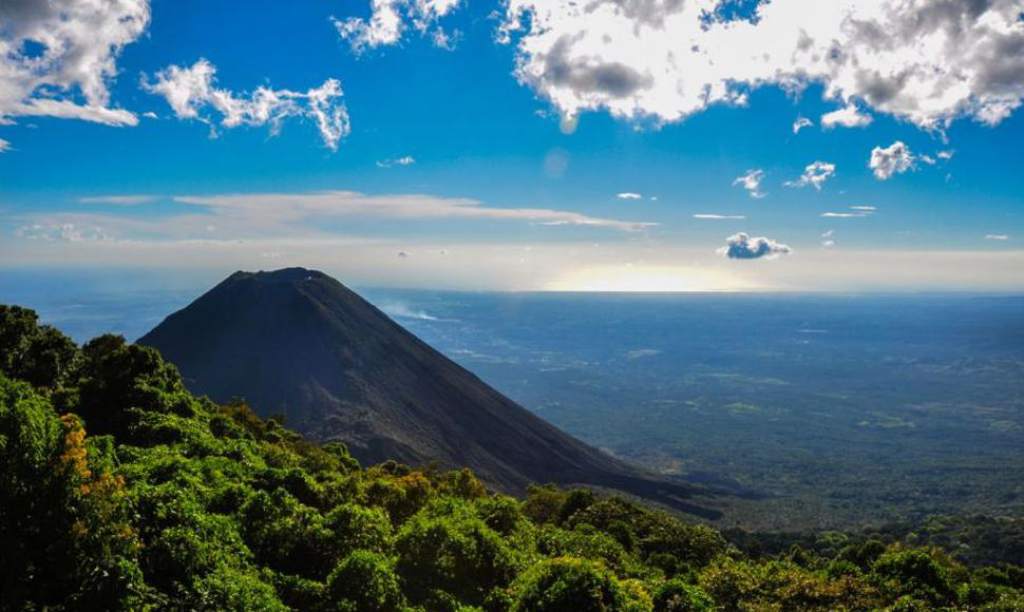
[{"x": 120, "y": 490}]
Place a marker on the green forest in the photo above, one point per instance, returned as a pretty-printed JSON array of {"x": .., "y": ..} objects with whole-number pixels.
[{"x": 121, "y": 490}]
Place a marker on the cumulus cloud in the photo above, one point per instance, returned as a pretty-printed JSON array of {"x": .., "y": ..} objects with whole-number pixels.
[
  {"x": 751, "y": 181},
  {"x": 945, "y": 155},
  {"x": 849, "y": 116},
  {"x": 925, "y": 61},
  {"x": 801, "y": 123},
  {"x": 406, "y": 160},
  {"x": 191, "y": 93},
  {"x": 815, "y": 175},
  {"x": 1000, "y": 237},
  {"x": 894, "y": 159},
  {"x": 743, "y": 246},
  {"x": 4, "y": 145},
  {"x": 718, "y": 217},
  {"x": 629, "y": 195},
  {"x": 57, "y": 58},
  {"x": 390, "y": 19}
]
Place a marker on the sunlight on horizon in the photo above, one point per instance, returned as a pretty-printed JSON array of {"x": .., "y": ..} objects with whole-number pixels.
[{"x": 630, "y": 278}]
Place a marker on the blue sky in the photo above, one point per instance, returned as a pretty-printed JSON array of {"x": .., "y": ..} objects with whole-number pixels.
[{"x": 498, "y": 192}]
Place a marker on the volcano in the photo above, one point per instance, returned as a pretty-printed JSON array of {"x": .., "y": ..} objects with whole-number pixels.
[{"x": 298, "y": 343}]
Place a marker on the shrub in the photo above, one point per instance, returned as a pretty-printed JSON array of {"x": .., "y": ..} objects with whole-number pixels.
[
  {"x": 365, "y": 582},
  {"x": 678, "y": 596},
  {"x": 567, "y": 583}
]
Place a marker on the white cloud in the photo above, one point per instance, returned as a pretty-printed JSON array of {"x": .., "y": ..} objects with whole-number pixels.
[
  {"x": 4, "y": 145},
  {"x": 406, "y": 160},
  {"x": 945, "y": 155},
  {"x": 191, "y": 91},
  {"x": 815, "y": 175},
  {"x": 743, "y": 246},
  {"x": 751, "y": 181},
  {"x": 858, "y": 212},
  {"x": 801, "y": 123},
  {"x": 828, "y": 234},
  {"x": 718, "y": 217},
  {"x": 57, "y": 58},
  {"x": 390, "y": 19},
  {"x": 119, "y": 200},
  {"x": 67, "y": 232},
  {"x": 269, "y": 208},
  {"x": 999, "y": 237},
  {"x": 67, "y": 109},
  {"x": 629, "y": 195},
  {"x": 828, "y": 244},
  {"x": 926, "y": 61},
  {"x": 894, "y": 159},
  {"x": 848, "y": 116}
]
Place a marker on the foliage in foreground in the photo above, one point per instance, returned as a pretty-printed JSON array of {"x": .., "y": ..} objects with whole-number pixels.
[{"x": 120, "y": 490}]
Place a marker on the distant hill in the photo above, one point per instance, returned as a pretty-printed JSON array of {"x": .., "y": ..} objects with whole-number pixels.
[{"x": 298, "y": 343}]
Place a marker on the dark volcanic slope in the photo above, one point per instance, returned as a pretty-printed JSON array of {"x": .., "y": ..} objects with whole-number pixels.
[{"x": 297, "y": 342}]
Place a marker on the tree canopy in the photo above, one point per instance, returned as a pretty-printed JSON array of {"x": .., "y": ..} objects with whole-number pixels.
[{"x": 121, "y": 490}]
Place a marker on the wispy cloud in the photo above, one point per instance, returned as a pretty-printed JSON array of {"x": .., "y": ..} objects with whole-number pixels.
[
  {"x": 66, "y": 232},
  {"x": 800, "y": 123},
  {"x": 827, "y": 243},
  {"x": 629, "y": 195},
  {"x": 815, "y": 175},
  {"x": 999, "y": 237},
  {"x": 405, "y": 160},
  {"x": 751, "y": 181},
  {"x": 718, "y": 217},
  {"x": 293, "y": 206},
  {"x": 119, "y": 200},
  {"x": 192, "y": 93}
]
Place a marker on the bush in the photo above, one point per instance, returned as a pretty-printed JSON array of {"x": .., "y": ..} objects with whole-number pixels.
[
  {"x": 567, "y": 583},
  {"x": 677, "y": 596},
  {"x": 457, "y": 553},
  {"x": 365, "y": 582},
  {"x": 914, "y": 574}
]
